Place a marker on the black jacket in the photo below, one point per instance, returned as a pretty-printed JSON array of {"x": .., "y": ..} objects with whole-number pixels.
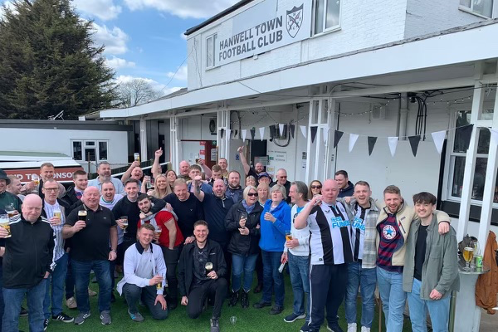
[
  {"x": 186, "y": 264},
  {"x": 28, "y": 254},
  {"x": 347, "y": 191},
  {"x": 71, "y": 200},
  {"x": 242, "y": 244}
]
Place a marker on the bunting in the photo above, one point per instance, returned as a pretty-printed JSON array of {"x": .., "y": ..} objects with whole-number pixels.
[
  {"x": 438, "y": 140},
  {"x": 292, "y": 130},
  {"x": 325, "y": 133},
  {"x": 371, "y": 141},
  {"x": 313, "y": 132},
  {"x": 392, "y": 144},
  {"x": 228, "y": 134},
  {"x": 243, "y": 135},
  {"x": 303, "y": 130},
  {"x": 352, "y": 141},
  {"x": 281, "y": 129},
  {"x": 337, "y": 137},
  {"x": 414, "y": 141},
  {"x": 262, "y": 132}
]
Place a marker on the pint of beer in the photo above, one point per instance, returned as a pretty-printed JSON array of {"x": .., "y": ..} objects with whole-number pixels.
[
  {"x": 58, "y": 215},
  {"x": 208, "y": 266},
  {"x": 11, "y": 213},
  {"x": 4, "y": 223},
  {"x": 288, "y": 236},
  {"x": 468, "y": 254},
  {"x": 82, "y": 215},
  {"x": 136, "y": 157}
]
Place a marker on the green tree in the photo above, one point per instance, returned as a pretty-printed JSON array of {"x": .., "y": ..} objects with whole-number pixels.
[{"x": 49, "y": 63}]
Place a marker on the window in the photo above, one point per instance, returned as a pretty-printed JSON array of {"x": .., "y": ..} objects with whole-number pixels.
[
  {"x": 458, "y": 158},
  {"x": 210, "y": 50},
  {"x": 326, "y": 15},
  {"x": 480, "y": 7},
  {"x": 94, "y": 151},
  {"x": 77, "y": 150},
  {"x": 103, "y": 150}
]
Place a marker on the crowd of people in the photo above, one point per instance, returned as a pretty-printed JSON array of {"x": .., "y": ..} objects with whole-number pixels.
[{"x": 198, "y": 237}]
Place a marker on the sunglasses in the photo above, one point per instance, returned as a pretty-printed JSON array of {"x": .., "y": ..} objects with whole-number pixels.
[
  {"x": 316, "y": 187},
  {"x": 252, "y": 194}
]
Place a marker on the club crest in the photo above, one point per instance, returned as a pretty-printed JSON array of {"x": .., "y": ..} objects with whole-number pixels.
[{"x": 294, "y": 19}]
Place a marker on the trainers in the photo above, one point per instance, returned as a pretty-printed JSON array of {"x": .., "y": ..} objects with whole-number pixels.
[
  {"x": 305, "y": 328},
  {"x": 71, "y": 303},
  {"x": 352, "y": 327},
  {"x": 136, "y": 316},
  {"x": 23, "y": 312},
  {"x": 334, "y": 328},
  {"x": 105, "y": 318},
  {"x": 45, "y": 324},
  {"x": 91, "y": 292},
  {"x": 276, "y": 310},
  {"x": 261, "y": 304},
  {"x": 365, "y": 329},
  {"x": 244, "y": 300},
  {"x": 63, "y": 317},
  {"x": 292, "y": 317},
  {"x": 214, "y": 325},
  {"x": 234, "y": 298},
  {"x": 80, "y": 318}
]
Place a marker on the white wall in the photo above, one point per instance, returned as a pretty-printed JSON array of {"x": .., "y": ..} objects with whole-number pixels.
[
  {"x": 427, "y": 16},
  {"x": 59, "y": 141}
]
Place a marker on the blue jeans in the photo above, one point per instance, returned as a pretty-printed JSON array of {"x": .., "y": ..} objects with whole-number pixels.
[
  {"x": 56, "y": 279},
  {"x": 2, "y": 305},
  {"x": 366, "y": 278},
  {"x": 393, "y": 298},
  {"x": 439, "y": 310},
  {"x": 240, "y": 263},
  {"x": 299, "y": 268},
  {"x": 272, "y": 278},
  {"x": 81, "y": 271},
  {"x": 13, "y": 299}
]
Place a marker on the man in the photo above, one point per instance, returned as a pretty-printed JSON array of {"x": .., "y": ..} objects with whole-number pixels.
[
  {"x": 234, "y": 190},
  {"x": 144, "y": 269},
  {"x": 90, "y": 239},
  {"x": 429, "y": 282},
  {"x": 26, "y": 266},
  {"x": 133, "y": 172},
  {"x": 264, "y": 178},
  {"x": 362, "y": 271},
  {"x": 75, "y": 192},
  {"x": 170, "y": 240},
  {"x": 104, "y": 172},
  {"x": 346, "y": 186},
  {"x": 392, "y": 230},
  {"x": 222, "y": 162},
  {"x": 187, "y": 207},
  {"x": 199, "y": 280},
  {"x": 8, "y": 200},
  {"x": 128, "y": 207},
  {"x": 184, "y": 170},
  {"x": 330, "y": 253},
  {"x": 47, "y": 172},
  {"x": 248, "y": 170},
  {"x": 195, "y": 171},
  {"x": 282, "y": 179},
  {"x": 54, "y": 210},
  {"x": 15, "y": 187},
  {"x": 216, "y": 173}
]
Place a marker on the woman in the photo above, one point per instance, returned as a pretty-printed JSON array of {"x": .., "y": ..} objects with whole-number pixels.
[
  {"x": 243, "y": 225},
  {"x": 251, "y": 181},
  {"x": 171, "y": 177},
  {"x": 296, "y": 253},
  {"x": 160, "y": 187},
  {"x": 315, "y": 189},
  {"x": 263, "y": 193},
  {"x": 275, "y": 221}
]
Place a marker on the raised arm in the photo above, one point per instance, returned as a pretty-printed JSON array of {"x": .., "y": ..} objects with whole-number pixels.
[
  {"x": 206, "y": 170},
  {"x": 198, "y": 193},
  {"x": 243, "y": 160},
  {"x": 156, "y": 167},
  {"x": 301, "y": 220},
  {"x": 128, "y": 172}
]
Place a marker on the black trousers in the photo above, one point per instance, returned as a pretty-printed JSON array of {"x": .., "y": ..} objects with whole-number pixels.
[
  {"x": 328, "y": 285},
  {"x": 216, "y": 289},
  {"x": 171, "y": 261},
  {"x": 148, "y": 296}
]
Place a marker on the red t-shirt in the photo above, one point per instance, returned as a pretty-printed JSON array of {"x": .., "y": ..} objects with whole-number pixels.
[{"x": 161, "y": 218}]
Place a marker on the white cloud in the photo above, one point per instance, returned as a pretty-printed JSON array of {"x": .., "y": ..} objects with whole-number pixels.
[
  {"x": 103, "y": 9},
  {"x": 118, "y": 63},
  {"x": 181, "y": 74},
  {"x": 183, "y": 8},
  {"x": 7, "y": 4},
  {"x": 184, "y": 37},
  {"x": 114, "y": 40}
]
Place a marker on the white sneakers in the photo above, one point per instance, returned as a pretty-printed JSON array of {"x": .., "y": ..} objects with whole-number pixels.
[
  {"x": 352, "y": 327},
  {"x": 365, "y": 329}
]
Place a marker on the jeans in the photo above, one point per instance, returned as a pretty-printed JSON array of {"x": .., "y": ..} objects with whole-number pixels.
[
  {"x": 272, "y": 278},
  {"x": 2, "y": 304},
  {"x": 393, "y": 298},
  {"x": 148, "y": 296},
  {"x": 13, "y": 299},
  {"x": 56, "y": 279},
  {"x": 366, "y": 278},
  {"x": 81, "y": 271},
  {"x": 299, "y": 267},
  {"x": 70, "y": 279},
  {"x": 439, "y": 310},
  {"x": 240, "y": 263}
]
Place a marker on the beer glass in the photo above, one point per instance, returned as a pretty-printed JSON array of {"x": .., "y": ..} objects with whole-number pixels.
[
  {"x": 468, "y": 256},
  {"x": 159, "y": 286},
  {"x": 208, "y": 266},
  {"x": 35, "y": 179},
  {"x": 58, "y": 215},
  {"x": 136, "y": 157},
  {"x": 5, "y": 223},
  {"x": 125, "y": 222},
  {"x": 11, "y": 210},
  {"x": 157, "y": 232},
  {"x": 82, "y": 215},
  {"x": 288, "y": 235}
]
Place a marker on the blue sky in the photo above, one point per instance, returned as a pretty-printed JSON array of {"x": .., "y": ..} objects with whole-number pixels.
[{"x": 144, "y": 38}]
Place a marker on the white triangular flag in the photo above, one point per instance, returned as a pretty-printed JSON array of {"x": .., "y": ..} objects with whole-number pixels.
[
  {"x": 262, "y": 132},
  {"x": 303, "y": 130},
  {"x": 438, "y": 140},
  {"x": 243, "y": 135},
  {"x": 281, "y": 129},
  {"x": 228, "y": 134},
  {"x": 352, "y": 141},
  {"x": 392, "y": 143},
  {"x": 493, "y": 134},
  {"x": 325, "y": 133}
]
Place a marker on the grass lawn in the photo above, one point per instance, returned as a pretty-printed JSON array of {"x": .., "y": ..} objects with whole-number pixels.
[{"x": 248, "y": 320}]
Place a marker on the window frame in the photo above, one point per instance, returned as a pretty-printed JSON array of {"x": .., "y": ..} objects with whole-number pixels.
[
  {"x": 90, "y": 144},
  {"x": 470, "y": 10},
  {"x": 324, "y": 19},
  {"x": 214, "y": 37}
]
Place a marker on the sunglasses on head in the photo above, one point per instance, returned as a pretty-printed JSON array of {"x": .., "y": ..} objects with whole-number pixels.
[
  {"x": 318, "y": 187},
  {"x": 252, "y": 194}
]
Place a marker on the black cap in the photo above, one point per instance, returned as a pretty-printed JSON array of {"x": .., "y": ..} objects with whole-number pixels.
[
  {"x": 3, "y": 175},
  {"x": 264, "y": 174}
]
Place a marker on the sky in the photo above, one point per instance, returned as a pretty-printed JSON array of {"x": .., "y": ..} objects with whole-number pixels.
[{"x": 145, "y": 38}]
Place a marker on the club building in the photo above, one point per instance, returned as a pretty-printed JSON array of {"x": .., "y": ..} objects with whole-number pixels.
[{"x": 383, "y": 71}]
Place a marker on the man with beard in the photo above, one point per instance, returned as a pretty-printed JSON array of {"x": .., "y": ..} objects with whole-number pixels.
[
  {"x": 234, "y": 190},
  {"x": 104, "y": 171}
]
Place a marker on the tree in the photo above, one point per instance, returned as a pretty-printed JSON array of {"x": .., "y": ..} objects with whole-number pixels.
[
  {"x": 135, "y": 92},
  {"x": 48, "y": 63}
]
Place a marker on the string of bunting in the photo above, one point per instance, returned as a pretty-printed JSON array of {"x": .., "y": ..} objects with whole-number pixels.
[{"x": 463, "y": 137}]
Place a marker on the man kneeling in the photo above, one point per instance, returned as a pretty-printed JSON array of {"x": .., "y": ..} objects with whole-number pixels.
[
  {"x": 200, "y": 267},
  {"x": 144, "y": 276}
]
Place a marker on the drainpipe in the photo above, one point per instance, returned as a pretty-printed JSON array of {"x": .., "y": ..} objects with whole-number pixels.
[{"x": 403, "y": 116}]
